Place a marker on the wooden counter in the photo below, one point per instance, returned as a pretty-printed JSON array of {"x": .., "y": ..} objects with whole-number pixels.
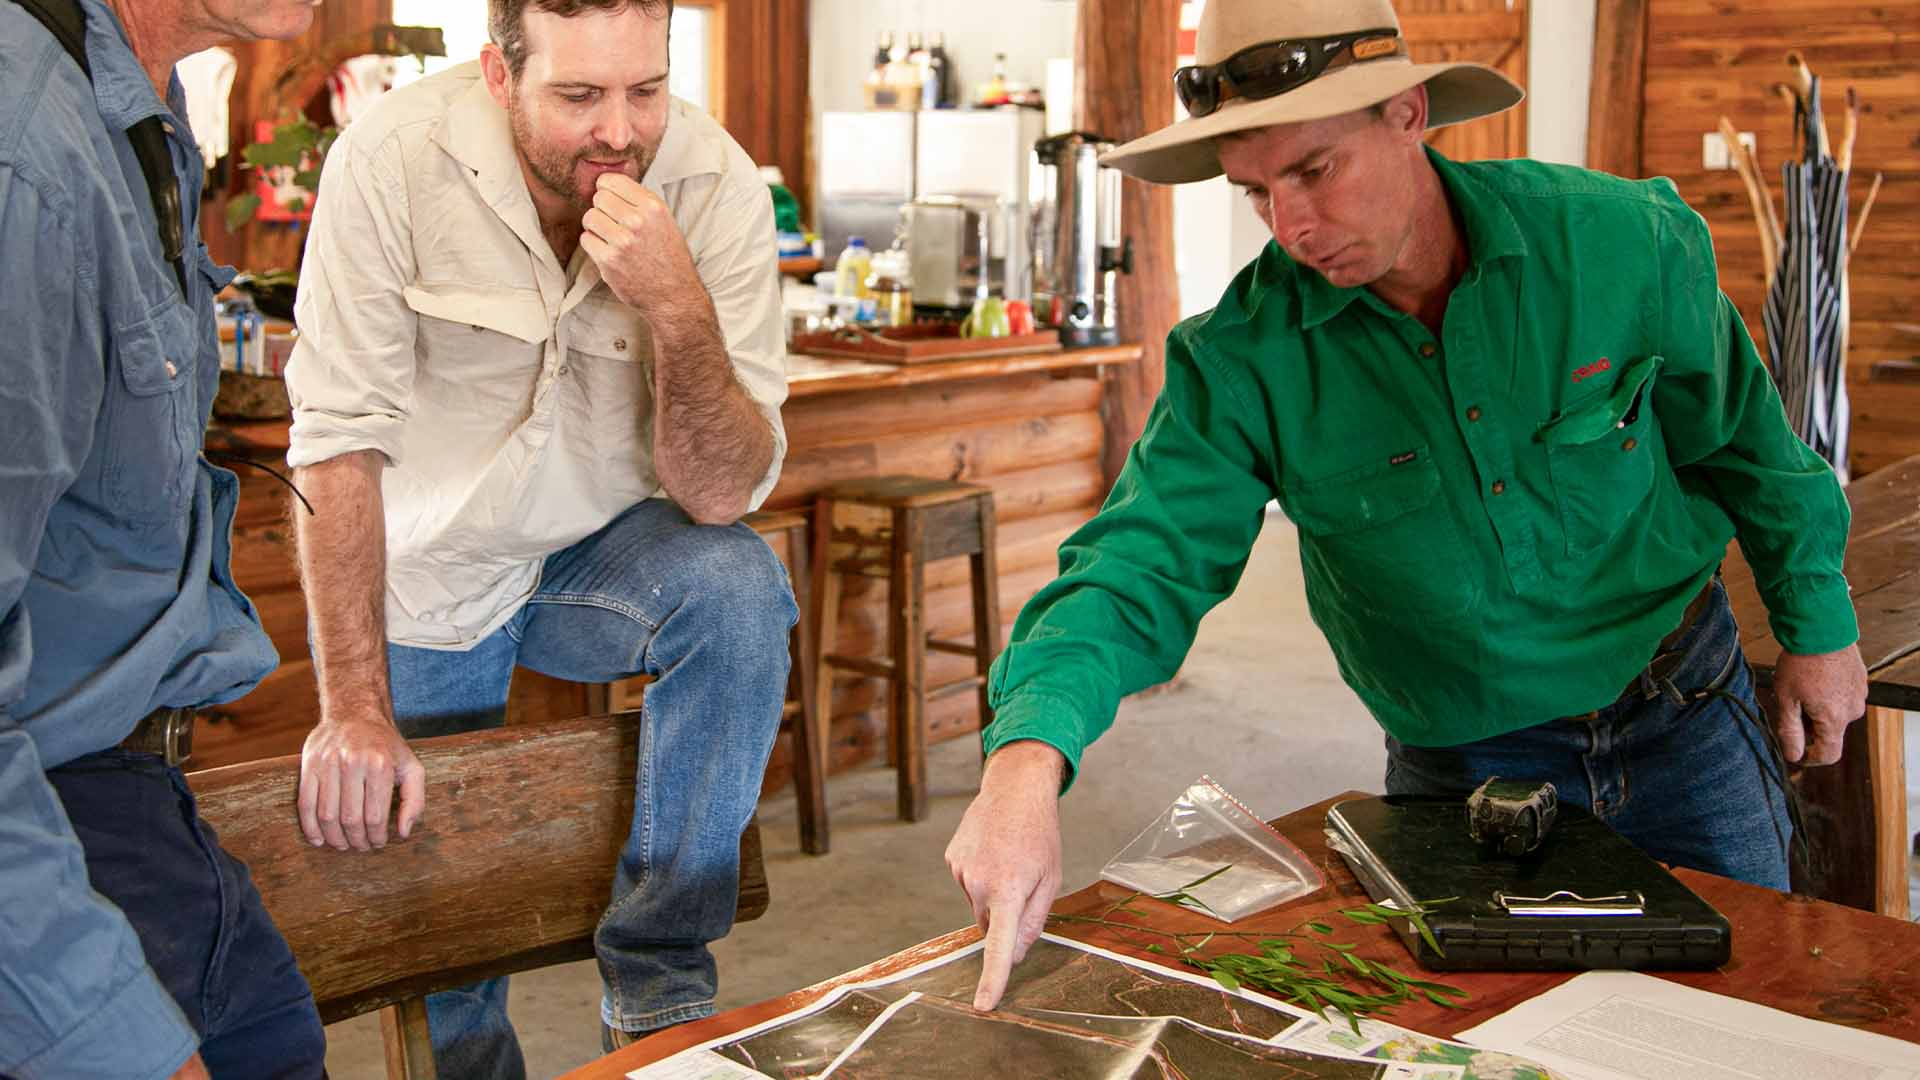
[{"x": 1029, "y": 426}]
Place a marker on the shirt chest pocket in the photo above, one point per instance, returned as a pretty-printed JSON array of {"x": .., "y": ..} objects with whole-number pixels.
[
  {"x": 1382, "y": 538},
  {"x": 1602, "y": 453},
  {"x": 152, "y": 422},
  {"x": 487, "y": 339}
]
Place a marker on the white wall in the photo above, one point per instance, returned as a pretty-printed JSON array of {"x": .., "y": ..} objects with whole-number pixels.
[
  {"x": 1560, "y": 60},
  {"x": 844, "y": 34}
]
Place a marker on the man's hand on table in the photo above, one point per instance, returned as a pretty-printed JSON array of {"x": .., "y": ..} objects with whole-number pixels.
[
  {"x": 1819, "y": 694},
  {"x": 1006, "y": 857},
  {"x": 348, "y": 769}
]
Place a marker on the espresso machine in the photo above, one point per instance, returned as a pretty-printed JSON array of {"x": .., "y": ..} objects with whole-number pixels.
[{"x": 1078, "y": 252}]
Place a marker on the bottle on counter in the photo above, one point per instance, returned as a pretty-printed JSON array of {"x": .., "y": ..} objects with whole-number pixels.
[
  {"x": 903, "y": 79},
  {"x": 891, "y": 285},
  {"x": 882, "y": 88},
  {"x": 856, "y": 263},
  {"x": 917, "y": 55},
  {"x": 937, "y": 91},
  {"x": 995, "y": 90}
]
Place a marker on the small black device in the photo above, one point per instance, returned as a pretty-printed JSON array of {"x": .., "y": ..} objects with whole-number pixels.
[
  {"x": 1586, "y": 898},
  {"x": 1513, "y": 816}
]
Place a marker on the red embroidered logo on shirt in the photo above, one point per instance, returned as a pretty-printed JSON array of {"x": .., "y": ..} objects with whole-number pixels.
[{"x": 1595, "y": 368}]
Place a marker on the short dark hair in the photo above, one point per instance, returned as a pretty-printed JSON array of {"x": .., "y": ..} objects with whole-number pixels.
[{"x": 506, "y": 22}]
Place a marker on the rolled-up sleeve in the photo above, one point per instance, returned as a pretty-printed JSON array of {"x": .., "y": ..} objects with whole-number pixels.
[
  {"x": 77, "y": 998},
  {"x": 736, "y": 252},
  {"x": 350, "y": 379}
]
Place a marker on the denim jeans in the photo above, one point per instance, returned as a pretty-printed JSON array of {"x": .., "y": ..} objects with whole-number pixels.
[
  {"x": 1677, "y": 770},
  {"x": 706, "y": 612},
  {"x": 198, "y": 916}
]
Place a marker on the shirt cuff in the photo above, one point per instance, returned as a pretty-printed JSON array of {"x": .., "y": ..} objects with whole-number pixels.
[
  {"x": 315, "y": 438},
  {"x": 138, "y": 1032},
  {"x": 1810, "y": 616},
  {"x": 1041, "y": 718}
]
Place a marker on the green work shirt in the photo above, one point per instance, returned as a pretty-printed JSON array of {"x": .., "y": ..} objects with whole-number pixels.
[{"x": 1498, "y": 525}]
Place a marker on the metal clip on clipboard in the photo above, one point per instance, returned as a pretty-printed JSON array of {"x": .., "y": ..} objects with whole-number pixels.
[{"x": 1564, "y": 903}]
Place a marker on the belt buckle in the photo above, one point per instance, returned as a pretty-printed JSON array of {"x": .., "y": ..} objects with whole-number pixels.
[{"x": 176, "y": 736}]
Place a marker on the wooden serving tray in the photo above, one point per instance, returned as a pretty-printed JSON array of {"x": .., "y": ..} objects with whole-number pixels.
[{"x": 920, "y": 343}]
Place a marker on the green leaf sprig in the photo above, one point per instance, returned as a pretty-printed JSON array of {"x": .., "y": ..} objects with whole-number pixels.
[{"x": 1303, "y": 966}]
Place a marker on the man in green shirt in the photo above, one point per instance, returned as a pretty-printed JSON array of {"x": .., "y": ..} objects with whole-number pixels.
[{"x": 1516, "y": 423}]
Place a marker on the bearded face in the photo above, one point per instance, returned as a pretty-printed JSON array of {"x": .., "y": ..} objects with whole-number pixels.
[{"x": 591, "y": 98}]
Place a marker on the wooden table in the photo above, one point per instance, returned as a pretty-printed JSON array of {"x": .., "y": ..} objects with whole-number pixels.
[
  {"x": 1802, "y": 956},
  {"x": 1856, "y": 811}
]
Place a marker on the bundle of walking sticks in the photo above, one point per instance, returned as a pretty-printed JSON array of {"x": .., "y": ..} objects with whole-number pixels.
[{"x": 1803, "y": 94}]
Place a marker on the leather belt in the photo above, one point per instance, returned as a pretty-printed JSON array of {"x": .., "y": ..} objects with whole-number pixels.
[
  {"x": 1665, "y": 660},
  {"x": 166, "y": 732}
]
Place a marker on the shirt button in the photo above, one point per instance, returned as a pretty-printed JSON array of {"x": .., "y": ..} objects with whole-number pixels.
[
  {"x": 1630, "y": 444},
  {"x": 171, "y": 370},
  {"x": 619, "y": 344},
  {"x": 564, "y": 369},
  {"x": 1499, "y": 487},
  {"x": 1427, "y": 349},
  {"x": 426, "y": 616},
  {"x": 1473, "y": 414}
]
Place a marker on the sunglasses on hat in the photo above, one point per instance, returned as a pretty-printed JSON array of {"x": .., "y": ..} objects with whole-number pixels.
[{"x": 1275, "y": 67}]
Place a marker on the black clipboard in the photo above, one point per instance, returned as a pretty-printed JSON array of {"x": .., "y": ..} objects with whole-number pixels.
[{"x": 1586, "y": 899}]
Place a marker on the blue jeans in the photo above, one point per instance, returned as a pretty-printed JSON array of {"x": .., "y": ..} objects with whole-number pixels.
[
  {"x": 198, "y": 916},
  {"x": 1671, "y": 766},
  {"x": 706, "y": 612}
]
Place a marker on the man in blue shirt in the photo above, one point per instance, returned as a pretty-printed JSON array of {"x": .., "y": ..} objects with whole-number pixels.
[{"x": 131, "y": 944}]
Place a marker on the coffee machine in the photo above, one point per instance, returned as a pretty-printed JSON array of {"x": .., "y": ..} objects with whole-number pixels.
[{"x": 1078, "y": 251}]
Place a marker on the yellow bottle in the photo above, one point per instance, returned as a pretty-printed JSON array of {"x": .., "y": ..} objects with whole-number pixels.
[{"x": 856, "y": 262}]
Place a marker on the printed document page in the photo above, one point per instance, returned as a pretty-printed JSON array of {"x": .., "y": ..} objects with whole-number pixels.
[{"x": 1619, "y": 1025}]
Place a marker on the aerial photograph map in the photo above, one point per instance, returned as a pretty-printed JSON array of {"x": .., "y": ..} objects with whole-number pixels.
[{"x": 1073, "y": 1010}]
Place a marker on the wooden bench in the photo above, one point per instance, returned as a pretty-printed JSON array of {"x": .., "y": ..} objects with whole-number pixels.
[{"x": 510, "y": 869}]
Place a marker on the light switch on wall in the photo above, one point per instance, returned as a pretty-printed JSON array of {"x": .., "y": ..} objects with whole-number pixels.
[{"x": 1713, "y": 149}]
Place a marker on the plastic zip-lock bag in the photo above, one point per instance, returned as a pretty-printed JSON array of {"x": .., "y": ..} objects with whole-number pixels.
[{"x": 1208, "y": 832}]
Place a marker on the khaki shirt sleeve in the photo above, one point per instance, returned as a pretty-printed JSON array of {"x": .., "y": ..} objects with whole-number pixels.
[
  {"x": 350, "y": 378},
  {"x": 734, "y": 247}
]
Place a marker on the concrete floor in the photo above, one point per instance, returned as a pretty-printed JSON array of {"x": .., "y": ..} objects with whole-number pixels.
[{"x": 1259, "y": 706}]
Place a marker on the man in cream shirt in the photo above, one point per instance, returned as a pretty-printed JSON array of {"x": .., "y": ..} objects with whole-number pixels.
[{"x": 538, "y": 381}]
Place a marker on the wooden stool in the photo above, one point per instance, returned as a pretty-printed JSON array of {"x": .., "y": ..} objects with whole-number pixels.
[
  {"x": 806, "y": 722},
  {"x": 892, "y": 526}
]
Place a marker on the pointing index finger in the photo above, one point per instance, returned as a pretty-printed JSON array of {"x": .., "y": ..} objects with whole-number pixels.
[{"x": 1003, "y": 931}]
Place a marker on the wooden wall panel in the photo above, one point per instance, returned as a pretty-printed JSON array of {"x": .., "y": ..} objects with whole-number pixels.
[
  {"x": 1616, "y": 104},
  {"x": 1489, "y": 32},
  {"x": 1036, "y": 440},
  {"x": 763, "y": 96},
  {"x": 1708, "y": 57},
  {"x": 1124, "y": 54}
]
